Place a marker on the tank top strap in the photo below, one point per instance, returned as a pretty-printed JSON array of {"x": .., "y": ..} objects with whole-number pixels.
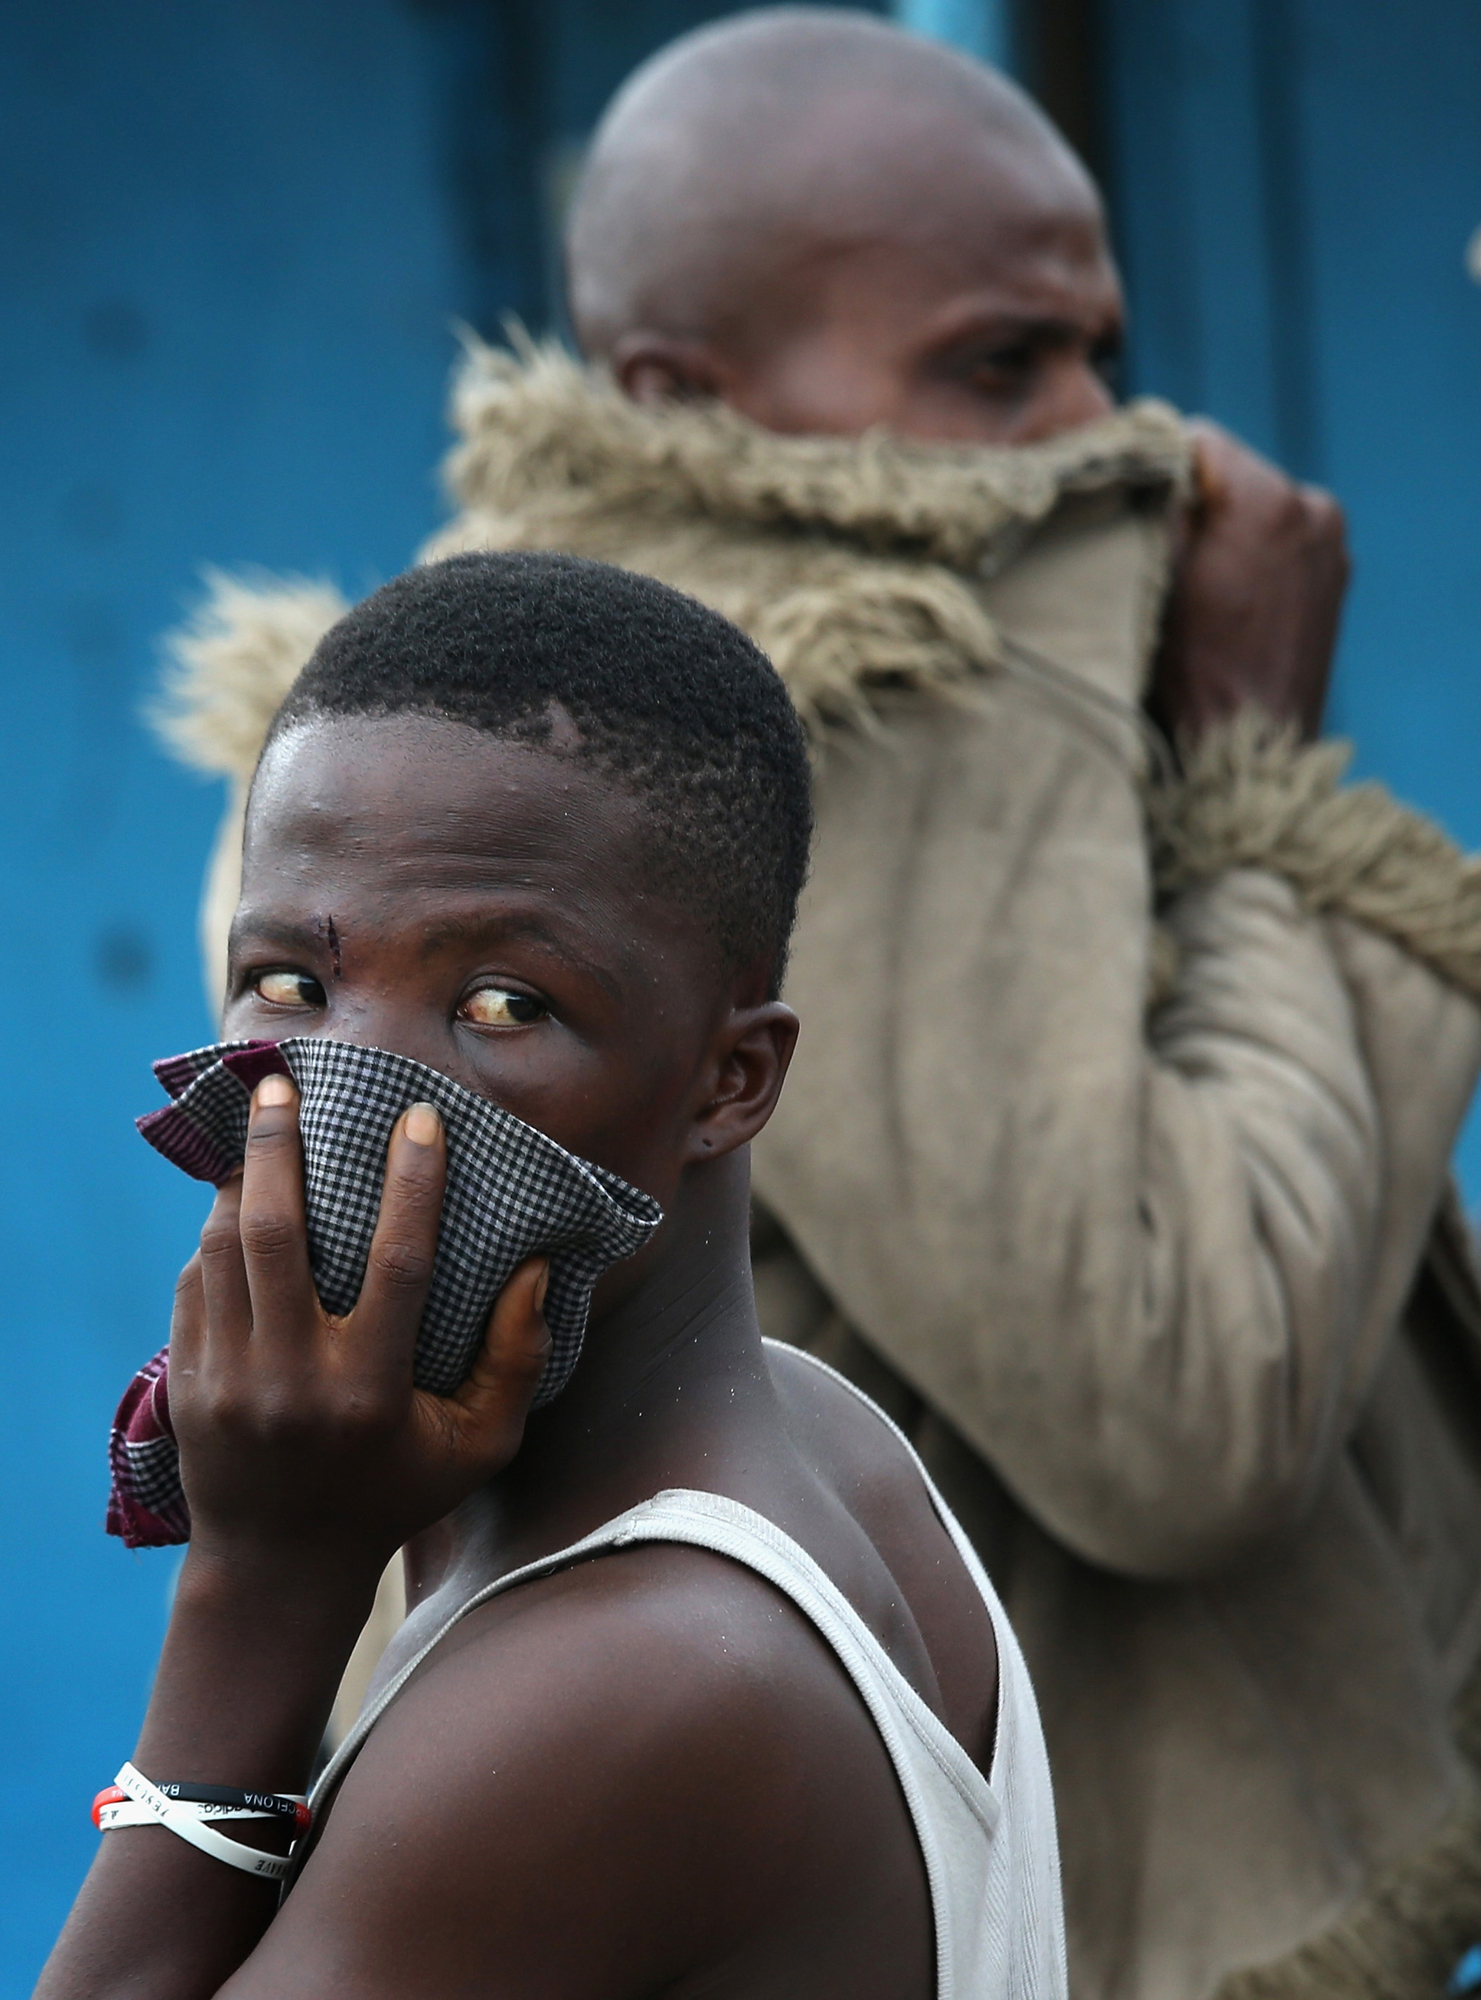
[
  {"x": 589, "y": 1545},
  {"x": 699, "y": 1516},
  {"x": 727, "y": 1528},
  {"x": 1015, "y": 1686}
]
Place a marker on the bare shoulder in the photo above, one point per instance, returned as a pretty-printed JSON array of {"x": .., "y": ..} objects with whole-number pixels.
[
  {"x": 839, "y": 1422},
  {"x": 655, "y": 1739},
  {"x": 859, "y": 1456}
]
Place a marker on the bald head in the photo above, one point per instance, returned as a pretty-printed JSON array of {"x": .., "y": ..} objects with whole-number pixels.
[{"x": 764, "y": 179}]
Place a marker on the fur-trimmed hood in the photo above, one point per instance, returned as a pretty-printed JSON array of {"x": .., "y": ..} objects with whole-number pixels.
[
  {"x": 544, "y": 437},
  {"x": 851, "y": 561}
]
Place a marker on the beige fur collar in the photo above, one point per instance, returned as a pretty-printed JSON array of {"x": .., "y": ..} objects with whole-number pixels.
[
  {"x": 542, "y": 434},
  {"x": 843, "y": 557}
]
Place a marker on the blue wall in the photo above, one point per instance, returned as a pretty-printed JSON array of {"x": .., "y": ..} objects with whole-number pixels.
[
  {"x": 223, "y": 333},
  {"x": 1296, "y": 183},
  {"x": 984, "y": 28}
]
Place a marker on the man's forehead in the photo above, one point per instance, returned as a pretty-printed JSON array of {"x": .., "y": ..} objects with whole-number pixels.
[
  {"x": 445, "y": 826},
  {"x": 424, "y": 779},
  {"x": 988, "y": 243},
  {"x": 864, "y": 164},
  {"x": 419, "y": 927},
  {"x": 432, "y": 908}
]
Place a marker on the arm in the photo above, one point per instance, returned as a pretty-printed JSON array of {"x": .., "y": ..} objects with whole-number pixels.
[
  {"x": 1148, "y": 1270},
  {"x": 249, "y": 1668},
  {"x": 308, "y": 1458}
]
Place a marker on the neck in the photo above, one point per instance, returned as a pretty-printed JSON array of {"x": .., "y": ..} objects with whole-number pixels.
[{"x": 672, "y": 1390}]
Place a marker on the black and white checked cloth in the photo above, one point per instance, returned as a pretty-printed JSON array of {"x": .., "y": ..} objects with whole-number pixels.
[{"x": 511, "y": 1192}]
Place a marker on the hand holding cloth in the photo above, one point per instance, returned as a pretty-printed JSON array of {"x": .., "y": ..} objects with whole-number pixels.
[{"x": 511, "y": 1193}]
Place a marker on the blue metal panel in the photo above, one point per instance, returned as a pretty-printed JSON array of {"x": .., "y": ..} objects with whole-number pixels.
[
  {"x": 223, "y": 333},
  {"x": 1390, "y": 120},
  {"x": 981, "y": 27},
  {"x": 1296, "y": 184},
  {"x": 1192, "y": 233}
]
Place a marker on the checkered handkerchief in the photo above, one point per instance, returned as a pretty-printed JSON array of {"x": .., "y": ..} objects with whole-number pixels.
[{"x": 510, "y": 1193}]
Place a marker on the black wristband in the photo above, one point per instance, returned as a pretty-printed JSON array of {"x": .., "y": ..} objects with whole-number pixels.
[{"x": 280, "y": 1804}]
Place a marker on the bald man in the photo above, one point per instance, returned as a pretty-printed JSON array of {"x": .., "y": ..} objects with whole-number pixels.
[{"x": 1114, "y": 1165}]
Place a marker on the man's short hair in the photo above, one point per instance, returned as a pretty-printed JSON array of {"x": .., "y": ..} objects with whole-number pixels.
[{"x": 671, "y": 701}]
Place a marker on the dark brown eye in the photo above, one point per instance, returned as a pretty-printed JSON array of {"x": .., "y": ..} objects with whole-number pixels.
[
  {"x": 501, "y": 1007},
  {"x": 1015, "y": 360},
  {"x": 288, "y": 989}
]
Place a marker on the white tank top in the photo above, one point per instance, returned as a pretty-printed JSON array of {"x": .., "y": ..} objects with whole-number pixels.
[{"x": 989, "y": 1845}]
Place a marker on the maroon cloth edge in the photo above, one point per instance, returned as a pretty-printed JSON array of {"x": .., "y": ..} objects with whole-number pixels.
[
  {"x": 143, "y": 1418},
  {"x": 172, "y": 1132}
]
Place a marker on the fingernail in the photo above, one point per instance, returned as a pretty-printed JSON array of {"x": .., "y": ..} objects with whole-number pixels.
[
  {"x": 423, "y": 1125},
  {"x": 274, "y": 1090},
  {"x": 541, "y": 1285}
]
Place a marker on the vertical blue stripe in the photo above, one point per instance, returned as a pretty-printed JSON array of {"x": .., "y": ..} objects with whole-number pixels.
[
  {"x": 1296, "y": 183},
  {"x": 981, "y": 27}
]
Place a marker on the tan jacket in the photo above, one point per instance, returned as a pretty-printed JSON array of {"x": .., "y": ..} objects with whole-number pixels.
[{"x": 1114, "y": 1193}]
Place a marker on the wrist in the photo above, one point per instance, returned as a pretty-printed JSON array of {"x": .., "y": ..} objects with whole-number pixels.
[
  {"x": 258, "y": 1639},
  {"x": 297, "y": 1583}
]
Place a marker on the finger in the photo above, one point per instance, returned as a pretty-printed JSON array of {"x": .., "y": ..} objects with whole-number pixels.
[
  {"x": 225, "y": 1298},
  {"x": 188, "y": 1321},
  {"x": 492, "y": 1405},
  {"x": 274, "y": 1234},
  {"x": 1227, "y": 473},
  {"x": 1211, "y": 464},
  {"x": 200, "y": 1356},
  {"x": 1325, "y": 518},
  {"x": 403, "y": 1251}
]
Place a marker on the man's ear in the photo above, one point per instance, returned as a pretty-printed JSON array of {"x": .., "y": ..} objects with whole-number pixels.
[
  {"x": 657, "y": 368},
  {"x": 745, "y": 1081}
]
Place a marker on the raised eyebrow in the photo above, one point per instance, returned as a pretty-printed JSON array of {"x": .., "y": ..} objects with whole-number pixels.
[
  {"x": 275, "y": 931},
  {"x": 493, "y": 930}
]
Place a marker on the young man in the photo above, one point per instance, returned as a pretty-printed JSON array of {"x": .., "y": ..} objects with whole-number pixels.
[
  {"x": 1127, "y": 1193},
  {"x": 541, "y": 826}
]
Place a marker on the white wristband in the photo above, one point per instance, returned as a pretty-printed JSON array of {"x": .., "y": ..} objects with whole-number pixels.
[
  {"x": 125, "y": 1813},
  {"x": 182, "y": 1820}
]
